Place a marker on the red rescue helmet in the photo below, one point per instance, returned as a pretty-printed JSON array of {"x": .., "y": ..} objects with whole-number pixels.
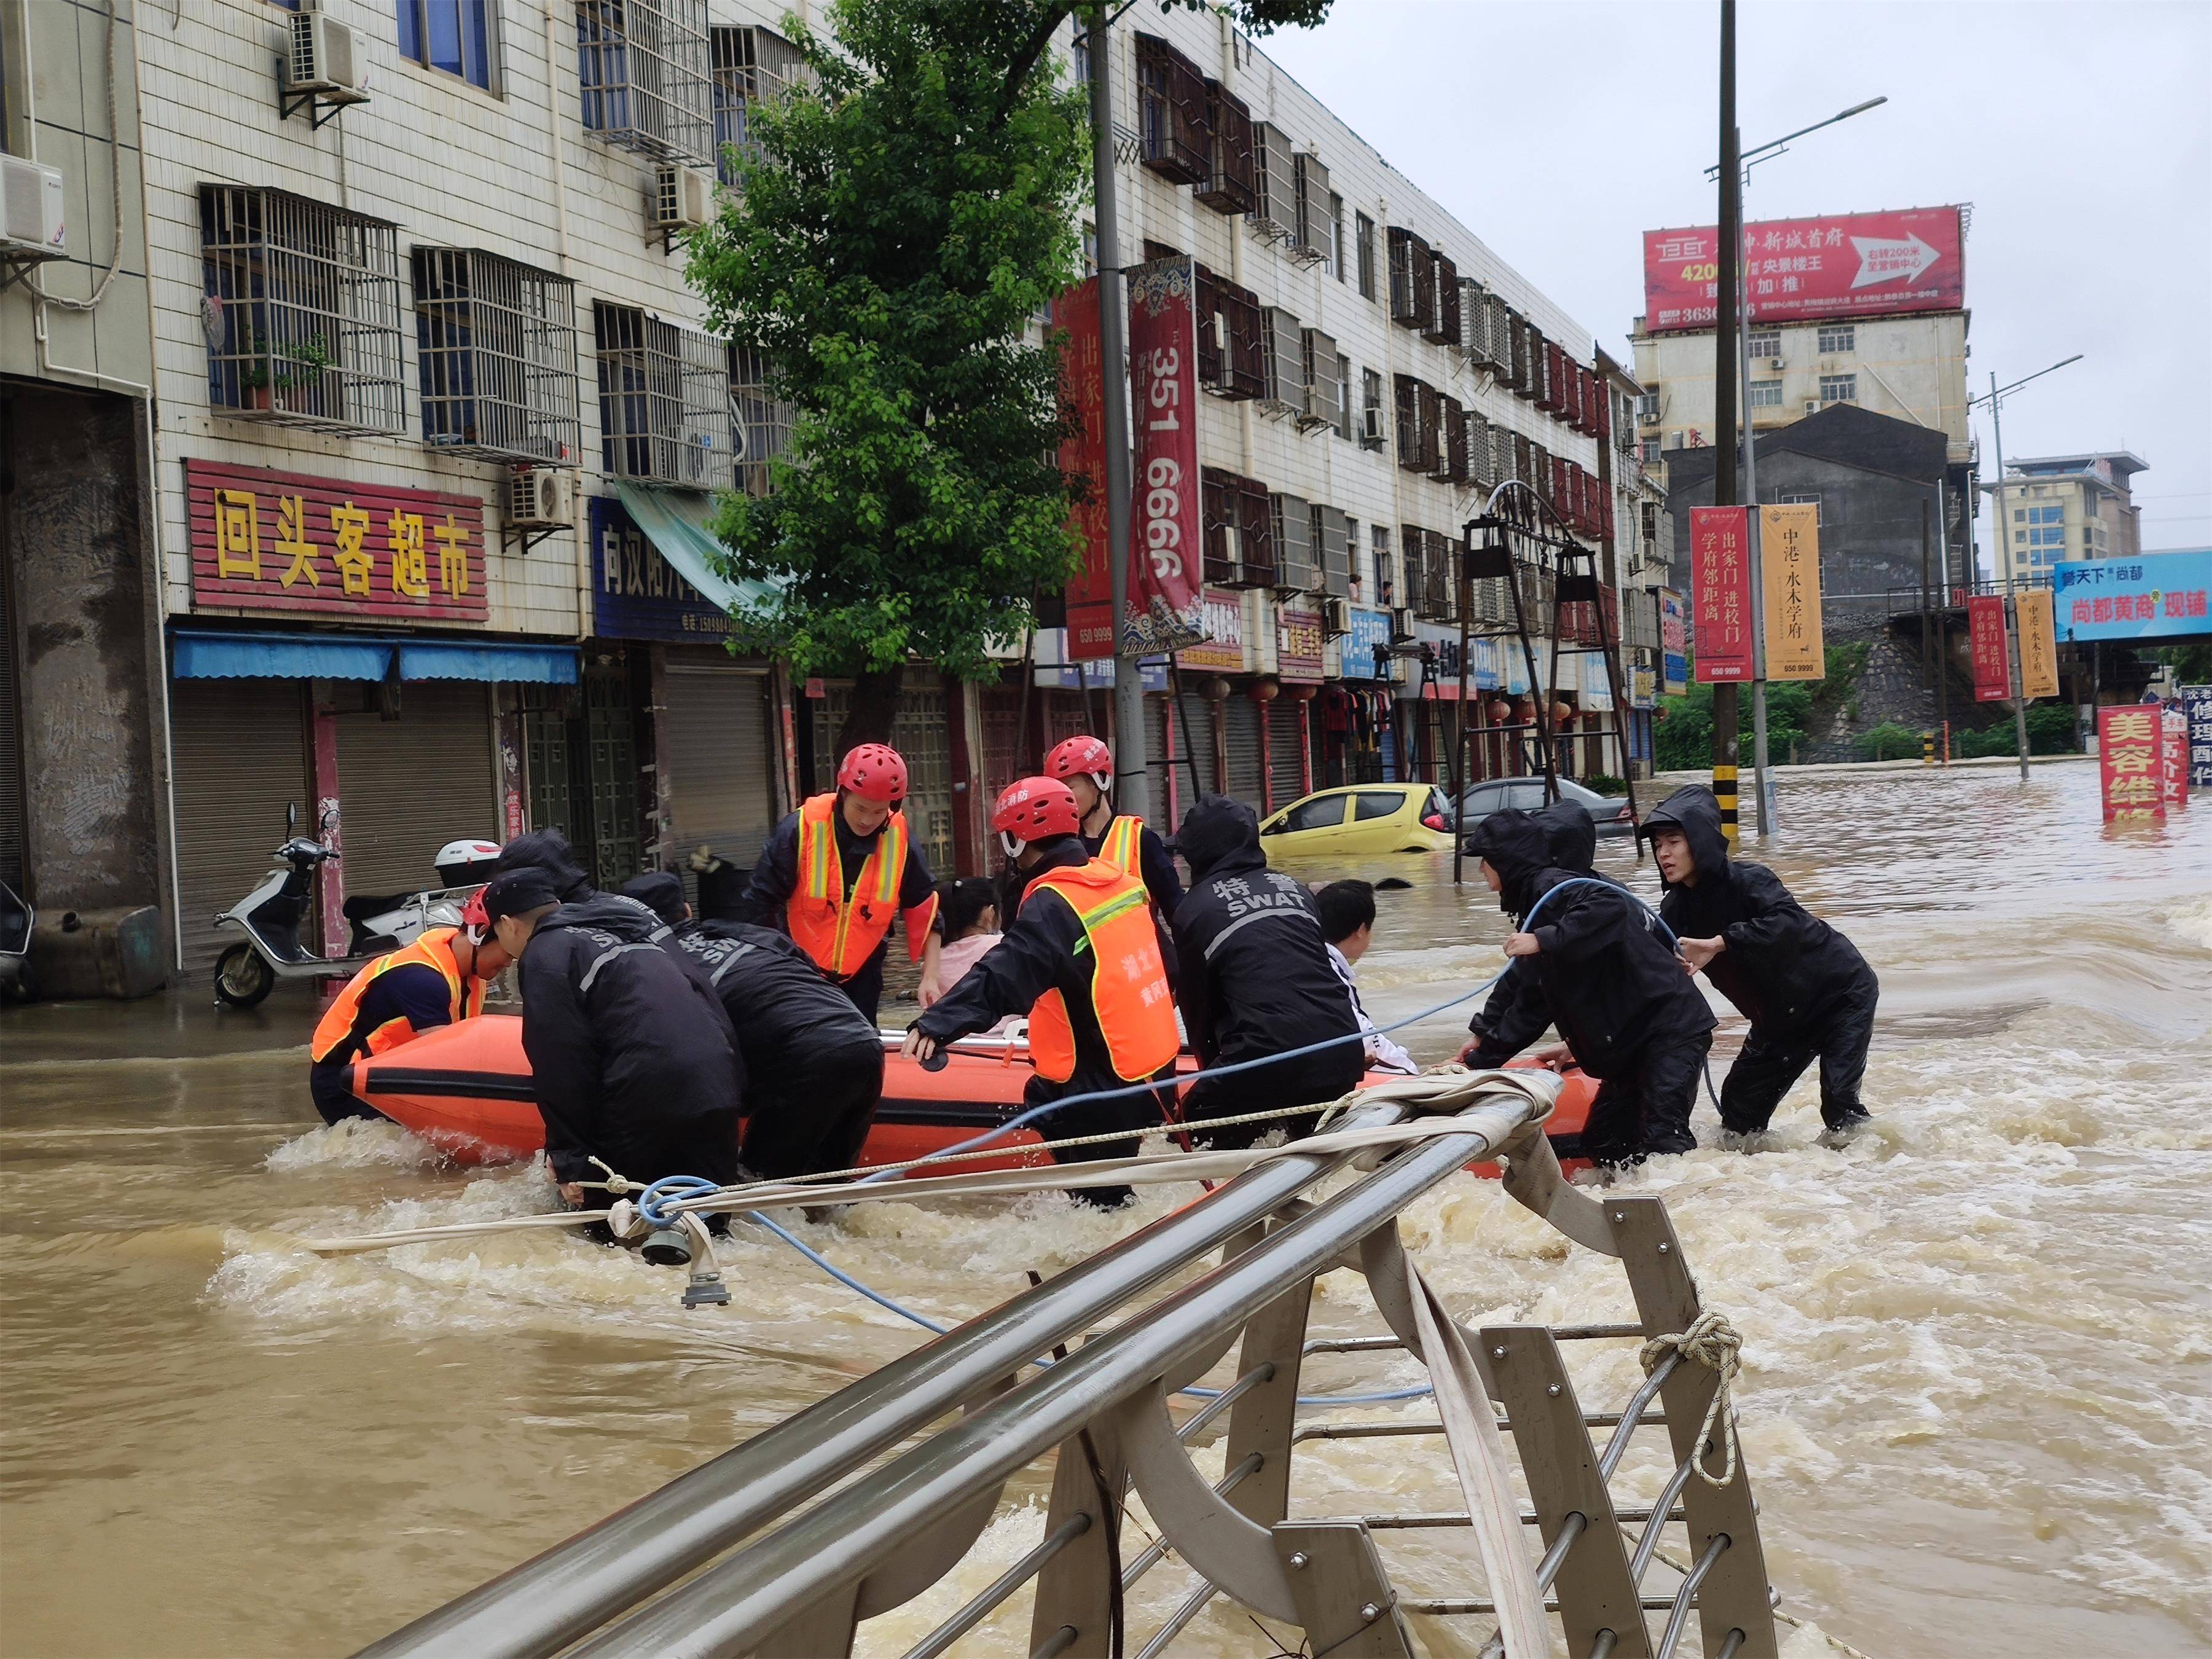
[
  {"x": 476, "y": 922},
  {"x": 874, "y": 771},
  {"x": 1085, "y": 756},
  {"x": 1033, "y": 809}
]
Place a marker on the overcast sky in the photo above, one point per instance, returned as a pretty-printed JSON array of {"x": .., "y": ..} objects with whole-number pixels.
[{"x": 2080, "y": 133}]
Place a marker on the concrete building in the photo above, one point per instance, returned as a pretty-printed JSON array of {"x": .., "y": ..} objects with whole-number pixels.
[{"x": 2066, "y": 506}]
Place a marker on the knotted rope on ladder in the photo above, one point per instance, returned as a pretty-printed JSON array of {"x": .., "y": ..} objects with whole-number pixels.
[{"x": 1712, "y": 1342}]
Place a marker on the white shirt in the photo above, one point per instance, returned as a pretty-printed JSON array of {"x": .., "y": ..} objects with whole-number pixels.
[{"x": 1382, "y": 1053}]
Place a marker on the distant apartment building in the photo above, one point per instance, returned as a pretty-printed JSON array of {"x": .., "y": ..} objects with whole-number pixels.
[{"x": 2066, "y": 506}]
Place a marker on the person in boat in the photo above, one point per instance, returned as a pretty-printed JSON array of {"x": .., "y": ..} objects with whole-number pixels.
[
  {"x": 1347, "y": 922},
  {"x": 1805, "y": 988},
  {"x": 1631, "y": 1018},
  {"x": 813, "y": 1063},
  {"x": 1255, "y": 982},
  {"x": 836, "y": 873},
  {"x": 1082, "y": 960},
  {"x": 1085, "y": 765},
  {"x": 439, "y": 980},
  {"x": 1515, "y": 1014},
  {"x": 632, "y": 1060},
  {"x": 967, "y": 915}
]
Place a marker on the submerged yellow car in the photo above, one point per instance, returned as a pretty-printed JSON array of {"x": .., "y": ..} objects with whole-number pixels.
[{"x": 1364, "y": 818}]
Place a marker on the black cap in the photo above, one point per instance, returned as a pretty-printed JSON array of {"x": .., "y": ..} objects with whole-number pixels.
[
  {"x": 519, "y": 892},
  {"x": 659, "y": 892}
]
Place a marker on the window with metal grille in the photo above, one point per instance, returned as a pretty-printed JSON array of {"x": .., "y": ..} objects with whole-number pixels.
[
  {"x": 1413, "y": 279},
  {"x": 1412, "y": 451},
  {"x": 1457, "y": 465},
  {"x": 1413, "y": 545},
  {"x": 1232, "y": 182},
  {"x": 1648, "y": 452},
  {"x": 1441, "y": 415},
  {"x": 1386, "y": 570},
  {"x": 1232, "y": 353},
  {"x": 1551, "y": 395},
  {"x": 1275, "y": 177},
  {"x": 496, "y": 355},
  {"x": 461, "y": 37},
  {"x": 1335, "y": 265},
  {"x": 1766, "y": 394},
  {"x": 1363, "y": 240},
  {"x": 1515, "y": 365},
  {"x": 761, "y": 421},
  {"x": 1834, "y": 337},
  {"x": 300, "y": 308},
  {"x": 751, "y": 65},
  {"x": 1439, "y": 576},
  {"x": 1323, "y": 401},
  {"x": 1296, "y": 569},
  {"x": 1221, "y": 505},
  {"x": 644, "y": 71},
  {"x": 1286, "y": 372},
  {"x": 1647, "y": 405},
  {"x": 1343, "y": 395},
  {"x": 1332, "y": 540},
  {"x": 1255, "y": 528},
  {"x": 1839, "y": 388},
  {"x": 1444, "y": 323},
  {"x": 1764, "y": 343},
  {"x": 664, "y": 405},
  {"x": 1480, "y": 451},
  {"x": 1311, "y": 177},
  {"x": 1171, "y": 113}
]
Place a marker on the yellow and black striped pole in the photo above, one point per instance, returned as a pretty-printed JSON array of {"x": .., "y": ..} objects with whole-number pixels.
[
  {"x": 1724, "y": 793},
  {"x": 1928, "y": 749}
]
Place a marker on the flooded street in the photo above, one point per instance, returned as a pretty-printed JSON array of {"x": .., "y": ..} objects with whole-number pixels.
[{"x": 1976, "y": 1399}]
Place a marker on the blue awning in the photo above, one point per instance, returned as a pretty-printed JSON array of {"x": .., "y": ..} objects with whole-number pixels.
[
  {"x": 207, "y": 655},
  {"x": 676, "y": 523}
]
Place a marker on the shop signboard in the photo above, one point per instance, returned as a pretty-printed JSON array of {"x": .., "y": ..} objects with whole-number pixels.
[
  {"x": 1985, "y": 630},
  {"x": 638, "y": 595},
  {"x": 1721, "y": 569},
  {"x": 1673, "y": 644},
  {"x": 1848, "y": 264},
  {"x": 1790, "y": 564},
  {"x": 265, "y": 540},
  {"x": 1165, "y": 520},
  {"x": 2173, "y": 757},
  {"x": 1643, "y": 686},
  {"x": 2145, "y": 595},
  {"x": 1299, "y": 643},
  {"x": 2039, "y": 643},
  {"x": 2128, "y": 739},
  {"x": 1366, "y": 630},
  {"x": 1221, "y": 640},
  {"x": 2196, "y": 706}
]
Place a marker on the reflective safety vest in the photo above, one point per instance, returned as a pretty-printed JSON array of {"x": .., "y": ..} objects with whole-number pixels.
[
  {"x": 841, "y": 935},
  {"x": 1122, "y": 845},
  {"x": 434, "y": 949},
  {"x": 1129, "y": 990}
]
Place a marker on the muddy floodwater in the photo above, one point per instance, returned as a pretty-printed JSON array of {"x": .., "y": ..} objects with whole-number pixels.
[{"x": 1977, "y": 1397}]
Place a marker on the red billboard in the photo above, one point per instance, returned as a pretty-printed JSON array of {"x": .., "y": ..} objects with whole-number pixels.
[
  {"x": 1985, "y": 631},
  {"x": 2129, "y": 746},
  {"x": 263, "y": 540},
  {"x": 1848, "y": 264},
  {"x": 1720, "y": 573},
  {"x": 1083, "y": 456}
]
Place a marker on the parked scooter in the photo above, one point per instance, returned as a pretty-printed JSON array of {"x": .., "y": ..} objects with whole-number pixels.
[
  {"x": 269, "y": 916},
  {"x": 14, "y": 940}
]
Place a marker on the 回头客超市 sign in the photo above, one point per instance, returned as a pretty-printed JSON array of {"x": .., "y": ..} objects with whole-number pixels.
[
  {"x": 1847, "y": 265},
  {"x": 263, "y": 540},
  {"x": 2143, "y": 597}
]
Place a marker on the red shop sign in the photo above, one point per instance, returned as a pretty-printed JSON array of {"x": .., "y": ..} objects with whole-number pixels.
[
  {"x": 263, "y": 540},
  {"x": 2129, "y": 742},
  {"x": 1083, "y": 463},
  {"x": 1720, "y": 570},
  {"x": 1986, "y": 629},
  {"x": 2173, "y": 759}
]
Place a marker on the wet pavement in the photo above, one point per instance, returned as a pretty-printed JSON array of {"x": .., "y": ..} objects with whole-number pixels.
[{"x": 1976, "y": 1399}]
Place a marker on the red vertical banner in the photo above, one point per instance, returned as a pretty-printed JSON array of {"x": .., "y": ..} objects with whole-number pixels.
[
  {"x": 1166, "y": 531},
  {"x": 2173, "y": 758},
  {"x": 1083, "y": 463},
  {"x": 1720, "y": 565},
  {"x": 1986, "y": 629},
  {"x": 2129, "y": 742}
]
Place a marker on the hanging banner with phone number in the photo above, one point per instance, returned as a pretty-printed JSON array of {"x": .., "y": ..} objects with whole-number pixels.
[{"x": 1165, "y": 527}]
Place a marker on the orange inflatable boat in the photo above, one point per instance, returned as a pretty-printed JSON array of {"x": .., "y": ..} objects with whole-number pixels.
[{"x": 465, "y": 1089}]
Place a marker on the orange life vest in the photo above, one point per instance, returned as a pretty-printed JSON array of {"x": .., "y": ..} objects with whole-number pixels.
[
  {"x": 1122, "y": 845},
  {"x": 1128, "y": 982},
  {"x": 434, "y": 949},
  {"x": 841, "y": 935}
]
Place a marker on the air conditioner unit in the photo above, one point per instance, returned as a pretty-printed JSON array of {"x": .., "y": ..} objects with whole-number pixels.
[
  {"x": 1335, "y": 617},
  {"x": 31, "y": 211},
  {"x": 1812, "y": 405},
  {"x": 683, "y": 198},
  {"x": 1401, "y": 622},
  {"x": 1776, "y": 362},
  {"x": 541, "y": 498},
  {"x": 323, "y": 60},
  {"x": 1370, "y": 429},
  {"x": 1649, "y": 417}
]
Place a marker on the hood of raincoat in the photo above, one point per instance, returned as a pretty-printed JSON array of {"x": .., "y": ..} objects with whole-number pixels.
[
  {"x": 1514, "y": 843},
  {"x": 1216, "y": 832},
  {"x": 1697, "y": 814},
  {"x": 1569, "y": 835}
]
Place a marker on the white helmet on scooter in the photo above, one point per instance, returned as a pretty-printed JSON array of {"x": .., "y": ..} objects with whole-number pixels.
[{"x": 467, "y": 862}]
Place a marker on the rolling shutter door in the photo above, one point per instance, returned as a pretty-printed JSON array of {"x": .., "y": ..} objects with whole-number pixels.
[
  {"x": 240, "y": 749},
  {"x": 1164, "y": 816},
  {"x": 1241, "y": 718},
  {"x": 1285, "y": 744},
  {"x": 408, "y": 787},
  {"x": 1195, "y": 722},
  {"x": 717, "y": 783},
  {"x": 11, "y": 753}
]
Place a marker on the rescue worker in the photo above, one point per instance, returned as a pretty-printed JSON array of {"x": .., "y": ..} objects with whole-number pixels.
[
  {"x": 813, "y": 1063},
  {"x": 1085, "y": 765},
  {"x": 1616, "y": 991},
  {"x": 1082, "y": 960},
  {"x": 1515, "y": 1014},
  {"x": 632, "y": 1060},
  {"x": 1256, "y": 981},
  {"x": 439, "y": 980},
  {"x": 1805, "y": 988},
  {"x": 837, "y": 871}
]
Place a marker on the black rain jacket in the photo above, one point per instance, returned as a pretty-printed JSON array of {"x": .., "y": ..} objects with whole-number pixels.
[
  {"x": 783, "y": 1008},
  {"x": 1253, "y": 976},
  {"x": 625, "y": 1037},
  {"x": 1784, "y": 968},
  {"x": 1515, "y": 1014},
  {"x": 1611, "y": 982}
]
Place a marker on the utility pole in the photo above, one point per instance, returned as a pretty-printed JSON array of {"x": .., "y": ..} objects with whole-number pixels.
[
  {"x": 1131, "y": 781},
  {"x": 1725, "y": 747},
  {"x": 1753, "y": 544},
  {"x": 2012, "y": 596}
]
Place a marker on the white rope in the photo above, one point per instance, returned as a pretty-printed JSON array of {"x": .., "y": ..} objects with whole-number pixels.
[
  {"x": 456, "y": 1230},
  {"x": 1713, "y": 1343}
]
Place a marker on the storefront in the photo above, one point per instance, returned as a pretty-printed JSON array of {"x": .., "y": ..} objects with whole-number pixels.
[{"x": 1351, "y": 727}]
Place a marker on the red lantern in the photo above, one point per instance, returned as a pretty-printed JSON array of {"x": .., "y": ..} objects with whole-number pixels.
[
  {"x": 1264, "y": 691},
  {"x": 1303, "y": 692},
  {"x": 1499, "y": 711},
  {"x": 1562, "y": 716}
]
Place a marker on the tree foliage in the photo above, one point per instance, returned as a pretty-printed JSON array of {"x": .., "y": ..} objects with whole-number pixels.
[{"x": 901, "y": 223}]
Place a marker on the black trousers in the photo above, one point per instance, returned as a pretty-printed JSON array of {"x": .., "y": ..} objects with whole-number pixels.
[
  {"x": 646, "y": 1150},
  {"x": 331, "y": 1086},
  {"x": 865, "y": 988},
  {"x": 813, "y": 1115},
  {"x": 1309, "y": 1080},
  {"x": 1641, "y": 1107},
  {"x": 1136, "y": 1112},
  {"x": 1773, "y": 1061}
]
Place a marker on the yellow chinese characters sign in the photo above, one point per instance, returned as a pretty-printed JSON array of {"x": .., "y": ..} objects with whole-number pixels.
[
  {"x": 1789, "y": 567},
  {"x": 285, "y": 541},
  {"x": 2038, "y": 644}
]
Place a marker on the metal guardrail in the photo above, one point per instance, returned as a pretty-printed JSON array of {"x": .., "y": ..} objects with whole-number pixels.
[{"x": 800, "y": 1588}]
